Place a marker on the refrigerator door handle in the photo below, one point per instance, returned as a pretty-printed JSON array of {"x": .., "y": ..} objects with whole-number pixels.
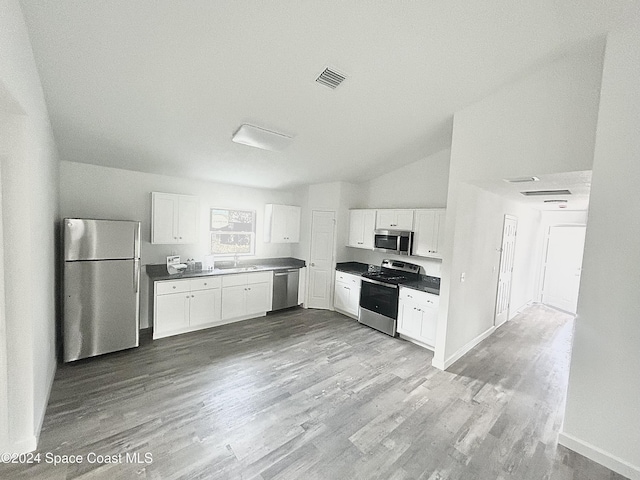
[{"x": 136, "y": 275}]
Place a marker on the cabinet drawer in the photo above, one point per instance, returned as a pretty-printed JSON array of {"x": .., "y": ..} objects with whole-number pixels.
[
  {"x": 206, "y": 283},
  {"x": 234, "y": 280},
  {"x": 423, "y": 298},
  {"x": 347, "y": 278},
  {"x": 172, "y": 286},
  {"x": 259, "y": 277}
]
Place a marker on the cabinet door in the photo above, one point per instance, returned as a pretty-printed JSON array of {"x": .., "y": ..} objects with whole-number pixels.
[
  {"x": 409, "y": 318},
  {"x": 429, "y": 322},
  {"x": 362, "y": 223},
  {"x": 233, "y": 302},
  {"x": 424, "y": 232},
  {"x": 163, "y": 218},
  {"x": 429, "y": 231},
  {"x": 257, "y": 298},
  {"x": 368, "y": 227},
  {"x": 395, "y": 219},
  {"x": 292, "y": 233},
  {"x": 205, "y": 307},
  {"x": 404, "y": 220},
  {"x": 278, "y": 225},
  {"x": 172, "y": 313},
  {"x": 356, "y": 227},
  {"x": 439, "y": 232},
  {"x": 187, "y": 219},
  {"x": 342, "y": 297},
  {"x": 386, "y": 219}
]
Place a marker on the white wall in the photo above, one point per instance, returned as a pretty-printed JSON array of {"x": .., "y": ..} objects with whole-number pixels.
[
  {"x": 29, "y": 174},
  {"x": 602, "y": 418},
  {"x": 421, "y": 184},
  {"x": 333, "y": 196},
  {"x": 100, "y": 192},
  {"x": 544, "y": 123}
]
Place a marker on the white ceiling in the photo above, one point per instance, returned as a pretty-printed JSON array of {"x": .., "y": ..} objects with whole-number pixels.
[
  {"x": 578, "y": 183},
  {"x": 161, "y": 85}
]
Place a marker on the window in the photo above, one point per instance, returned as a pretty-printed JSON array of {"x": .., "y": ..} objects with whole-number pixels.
[{"x": 233, "y": 232}]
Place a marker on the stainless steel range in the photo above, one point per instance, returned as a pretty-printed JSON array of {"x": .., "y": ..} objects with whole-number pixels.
[{"x": 379, "y": 294}]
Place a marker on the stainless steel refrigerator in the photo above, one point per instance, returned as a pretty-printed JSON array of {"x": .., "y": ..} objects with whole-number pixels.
[{"x": 101, "y": 287}]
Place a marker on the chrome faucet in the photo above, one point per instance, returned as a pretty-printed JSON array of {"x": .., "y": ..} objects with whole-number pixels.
[{"x": 235, "y": 260}]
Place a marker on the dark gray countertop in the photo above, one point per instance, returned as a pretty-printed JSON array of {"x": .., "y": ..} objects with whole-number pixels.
[
  {"x": 355, "y": 268},
  {"x": 426, "y": 283},
  {"x": 159, "y": 271}
]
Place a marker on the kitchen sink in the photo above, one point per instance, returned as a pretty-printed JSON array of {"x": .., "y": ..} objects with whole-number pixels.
[{"x": 239, "y": 268}]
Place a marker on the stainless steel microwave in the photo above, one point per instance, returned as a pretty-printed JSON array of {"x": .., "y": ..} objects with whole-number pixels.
[{"x": 393, "y": 241}]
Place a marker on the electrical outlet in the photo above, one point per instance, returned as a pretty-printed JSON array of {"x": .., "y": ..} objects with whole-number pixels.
[{"x": 462, "y": 277}]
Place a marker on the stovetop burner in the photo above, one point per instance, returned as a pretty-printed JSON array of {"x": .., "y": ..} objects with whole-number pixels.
[{"x": 394, "y": 272}]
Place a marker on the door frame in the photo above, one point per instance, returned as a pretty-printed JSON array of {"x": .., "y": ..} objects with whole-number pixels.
[
  {"x": 495, "y": 311},
  {"x": 543, "y": 263},
  {"x": 333, "y": 257}
]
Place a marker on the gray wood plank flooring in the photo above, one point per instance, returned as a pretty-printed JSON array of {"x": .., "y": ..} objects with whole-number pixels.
[{"x": 314, "y": 395}]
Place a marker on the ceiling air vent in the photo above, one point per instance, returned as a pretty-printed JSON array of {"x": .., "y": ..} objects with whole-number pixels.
[
  {"x": 330, "y": 78},
  {"x": 522, "y": 179},
  {"x": 534, "y": 193}
]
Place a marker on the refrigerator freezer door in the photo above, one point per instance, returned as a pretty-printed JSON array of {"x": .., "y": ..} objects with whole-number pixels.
[
  {"x": 101, "y": 302},
  {"x": 100, "y": 239}
]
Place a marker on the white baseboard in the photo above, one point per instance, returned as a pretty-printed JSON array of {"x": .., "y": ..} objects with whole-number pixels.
[
  {"x": 439, "y": 364},
  {"x": 25, "y": 445},
  {"x": 40, "y": 421},
  {"x": 598, "y": 455}
]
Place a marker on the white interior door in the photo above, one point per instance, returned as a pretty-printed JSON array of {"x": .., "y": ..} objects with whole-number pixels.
[
  {"x": 506, "y": 269},
  {"x": 563, "y": 266},
  {"x": 323, "y": 226}
]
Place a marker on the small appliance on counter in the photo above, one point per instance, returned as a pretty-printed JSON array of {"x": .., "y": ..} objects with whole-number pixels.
[
  {"x": 208, "y": 263},
  {"x": 174, "y": 266}
]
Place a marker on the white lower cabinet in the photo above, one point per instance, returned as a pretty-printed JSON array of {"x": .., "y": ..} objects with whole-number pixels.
[
  {"x": 246, "y": 295},
  {"x": 187, "y": 305},
  {"x": 347, "y": 294},
  {"x": 418, "y": 316}
]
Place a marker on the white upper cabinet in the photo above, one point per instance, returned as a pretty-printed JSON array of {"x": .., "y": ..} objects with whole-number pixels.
[
  {"x": 281, "y": 223},
  {"x": 174, "y": 218},
  {"x": 428, "y": 235},
  {"x": 394, "y": 219},
  {"x": 361, "y": 227}
]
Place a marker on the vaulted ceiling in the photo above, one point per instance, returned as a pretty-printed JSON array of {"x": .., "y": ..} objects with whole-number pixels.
[{"x": 160, "y": 86}]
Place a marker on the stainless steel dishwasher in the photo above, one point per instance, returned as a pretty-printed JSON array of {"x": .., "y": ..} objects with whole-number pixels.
[{"x": 285, "y": 288}]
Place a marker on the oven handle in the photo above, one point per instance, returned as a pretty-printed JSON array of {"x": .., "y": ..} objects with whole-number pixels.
[{"x": 390, "y": 285}]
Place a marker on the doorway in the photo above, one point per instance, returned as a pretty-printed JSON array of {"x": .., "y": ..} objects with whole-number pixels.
[
  {"x": 563, "y": 267},
  {"x": 323, "y": 226},
  {"x": 507, "y": 251}
]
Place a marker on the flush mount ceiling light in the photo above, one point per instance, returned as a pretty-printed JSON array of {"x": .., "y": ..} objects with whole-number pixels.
[
  {"x": 261, "y": 138},
  {"x": 521, "y": 179}
]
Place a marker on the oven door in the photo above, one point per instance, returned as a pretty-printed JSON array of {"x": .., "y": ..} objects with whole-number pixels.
[{"x": 380, "y": 298}]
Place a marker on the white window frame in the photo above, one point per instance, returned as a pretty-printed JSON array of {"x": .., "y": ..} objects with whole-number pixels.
[{"x": 217, "y": 230}]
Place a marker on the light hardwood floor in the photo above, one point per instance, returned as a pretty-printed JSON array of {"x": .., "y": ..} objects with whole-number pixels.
[{"x": 314, "y": 395}]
